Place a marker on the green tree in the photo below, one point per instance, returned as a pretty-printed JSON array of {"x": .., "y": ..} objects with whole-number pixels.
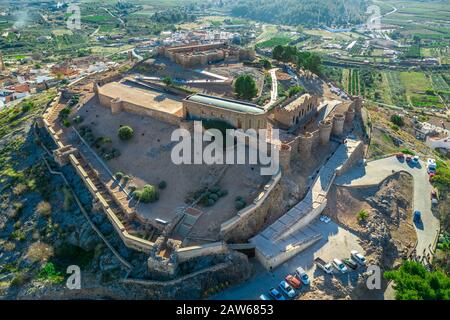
[
  {"x": 413, "y": 282},
  {"x": 168, "y": 81},
  {"x": 125, "y": 133},
  {"x": 397, "y": 120},
  {"x": 265, "y": 64},
  {"x": 245, "y": 87},
  {"x": 294, "y": 90},
  {"x": 277, "y": 52}
]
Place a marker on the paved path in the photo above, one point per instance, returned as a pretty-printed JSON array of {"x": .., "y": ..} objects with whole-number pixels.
[
  {"x": 274, "y": 92},
  {"x": 376, "y": 171}
]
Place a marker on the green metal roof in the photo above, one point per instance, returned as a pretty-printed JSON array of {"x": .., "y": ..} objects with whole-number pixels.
[{"x": 226, "y": 104}]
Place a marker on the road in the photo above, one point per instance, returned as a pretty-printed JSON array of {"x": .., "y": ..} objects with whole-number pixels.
[{"x": 376, "y": 171}]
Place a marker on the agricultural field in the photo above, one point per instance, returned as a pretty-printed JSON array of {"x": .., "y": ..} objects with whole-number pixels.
[
  {"x": 275, "y": 41},
  {"x": 353, "y": 84}
]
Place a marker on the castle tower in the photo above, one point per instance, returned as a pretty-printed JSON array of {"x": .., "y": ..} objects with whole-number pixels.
[
  {"x": 350, "y": 115},
  {"x": 338, "y": 124},
  {"x": 305, "y": 144},
  {"x": 325, "y": 127},
  {"x": 285, "y": 157},
  {"x": 358, "y": 104}
]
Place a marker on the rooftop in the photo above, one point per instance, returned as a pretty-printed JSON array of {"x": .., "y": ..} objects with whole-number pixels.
[
  {"x": 145, "y": 97},
  {"x": 233, "y": 105}
]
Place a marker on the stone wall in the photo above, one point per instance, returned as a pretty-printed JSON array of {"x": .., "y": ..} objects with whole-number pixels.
[
  {"x": 252, "y": 218},
  {"x": 239, "y": 120},
  {"x": 117, "y": 105}
]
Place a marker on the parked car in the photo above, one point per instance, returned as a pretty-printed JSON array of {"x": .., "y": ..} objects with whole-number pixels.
[
  {"x": 415, "y": 159},
  {"x": 408, "y": 158},
  {"x": 293, "y": 281},
  {"x": 274, "y": 293},
  {"x": 431, "y": 164},
  {"x": 327, "y": 267},
  {"x": 325, "y": 219},
  {"x": 417, "y": 216},
  {"x": 264, "y": 297},
  {"x": 302, "y": 276},
  {"x": 400, "y": 156},
  {"x": 358, "y": 257},
  {"x": 351, "y": 264},
  {"x": 287, "y": 289},
  {"x": 339, "y": 265}
]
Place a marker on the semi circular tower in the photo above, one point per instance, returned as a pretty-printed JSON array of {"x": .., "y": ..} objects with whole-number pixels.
[
  {"x": 285, "y": 157},
  {"x": 305, "y": 144},
  {"x": 338, "y": 124},
  {"x": 325, "y": 127},
  {"x": 358, "y": 104},
  {"x": 350, "y": 115}
]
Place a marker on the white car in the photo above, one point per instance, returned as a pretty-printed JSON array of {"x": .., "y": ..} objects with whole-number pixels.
[
  {"x": 338, "y": 264},
  {"x": 325, "y": 219},
  {"x": 302, "y": 276},
  {"x": 358, "y": 257},
  {"x": 287, "y": 289}
]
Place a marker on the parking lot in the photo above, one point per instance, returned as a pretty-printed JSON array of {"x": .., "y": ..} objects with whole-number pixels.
[{"x": 336, "y": 243}]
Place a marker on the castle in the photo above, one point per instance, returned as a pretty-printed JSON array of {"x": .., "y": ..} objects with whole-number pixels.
[{"x": 193, "y": 55}]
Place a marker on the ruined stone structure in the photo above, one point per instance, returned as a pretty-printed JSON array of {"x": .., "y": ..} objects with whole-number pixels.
[
  {"x": 296, "y": 111},
  {"x": 192, "y": 55}
]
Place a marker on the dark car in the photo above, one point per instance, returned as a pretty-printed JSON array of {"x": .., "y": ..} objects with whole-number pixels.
[
  {"x": 351, "y": 264},
  {"x": 400, "y": 156}
]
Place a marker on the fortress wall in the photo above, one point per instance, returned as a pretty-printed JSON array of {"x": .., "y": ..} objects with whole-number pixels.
[
  {"x": 355, "y": 156},
  {"x": 251, "y": 219},
  {"x": 277, "y": 260},
  {"x": 188, "y": 253},
  {"x": 129, "y": 240},
  {"x": 119, "y": 105},
  {"x": 239, "y": 120}
]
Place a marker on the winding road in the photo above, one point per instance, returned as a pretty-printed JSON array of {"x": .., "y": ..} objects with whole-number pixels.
[{"x": 376, "y": 171}]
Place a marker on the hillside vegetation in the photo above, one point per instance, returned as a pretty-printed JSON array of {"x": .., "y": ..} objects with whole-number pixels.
[{"x": 309, "y": 13}]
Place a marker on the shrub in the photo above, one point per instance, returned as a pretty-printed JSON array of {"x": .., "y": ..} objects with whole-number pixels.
[
  {"x": 19, "y": 189},
  {"x": 66, "y": 123},
  {"x": 239, "y": 204},
  {"x": 118, "y": 175},
  {"x": 162, "y": 185},
  {"x": 39, "y": 252},
  {"x": 214, "y": 197},
  {"x": 222, "y": 193},
  {"x": 362, "y": 215},
  {"x": 125, "y": 133},
  {"x": 397, "y": 120},
  {"x": 125, "y": 179},
  {"x": 44, "y": 208},
  {"x": 210, "y": 202},
  {"x": 48, "y": 272},
  {"x": 148, "y": 194}
]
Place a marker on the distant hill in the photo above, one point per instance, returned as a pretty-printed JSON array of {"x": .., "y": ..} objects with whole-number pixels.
[{"x": 304, "y": 12}]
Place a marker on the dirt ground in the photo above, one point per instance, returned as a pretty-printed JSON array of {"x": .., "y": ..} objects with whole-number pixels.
[
  {"x": 389, "y": 204},
  {"x": 146, "y": 158},
  {"x": 385, "y": 236}
]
